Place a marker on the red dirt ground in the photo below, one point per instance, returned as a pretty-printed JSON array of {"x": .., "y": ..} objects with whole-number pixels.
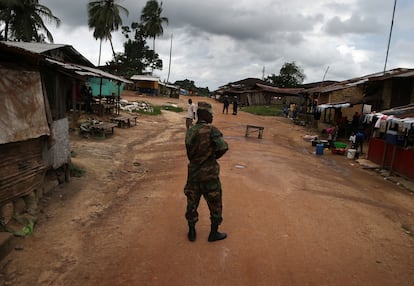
[{"x": 292, "y": 218}]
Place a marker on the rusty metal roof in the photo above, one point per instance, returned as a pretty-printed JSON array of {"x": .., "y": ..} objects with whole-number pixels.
[
  {"x": 280, "y": 90},
  {"x": 59, "y": 52},
  {"x": 398, "y": 72},
  {"x": 34, "y": 47},
  {"x": 406, "y": 111},
  {"x": 88, "y": 71}
]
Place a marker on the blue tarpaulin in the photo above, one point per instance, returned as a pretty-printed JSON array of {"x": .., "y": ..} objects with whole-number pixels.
[{"x": 109, "y": 87}]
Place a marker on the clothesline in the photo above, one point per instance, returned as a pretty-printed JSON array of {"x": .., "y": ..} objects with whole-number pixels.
[{"x": 388, "y": 121}]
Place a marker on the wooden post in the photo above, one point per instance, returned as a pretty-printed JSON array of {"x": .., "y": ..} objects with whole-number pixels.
[
  {"x": 385, "y": 149},
  {"x": 100, "y": 99},
  {"x": 119, "y": 94},
  {"x": 394, "y": 151},
  {"x": 384, "y": 155}
]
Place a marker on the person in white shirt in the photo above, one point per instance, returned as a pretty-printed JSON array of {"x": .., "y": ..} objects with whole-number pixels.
[
  {"x": 352, "y": 139},
  {"x": 190, "y": 114}
]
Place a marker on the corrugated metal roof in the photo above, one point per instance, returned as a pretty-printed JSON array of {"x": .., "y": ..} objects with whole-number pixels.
[
  {"x": 334, "y": 105},
  {"x": 406, "y": 111},
  {"x": 144, "y": 77},
  {"x": 399, "y": 72},
  {"x": 169, "y": 85},
  {"x": 47, "y": 49},
  {"x": 406, "y": 74},
  {"x": 88, "y": 71},
  {"x": 280, "y": 89},
  {"x": 37, "y": 48}
]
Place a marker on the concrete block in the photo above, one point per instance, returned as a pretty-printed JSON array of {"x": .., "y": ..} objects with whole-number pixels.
[
  {"x": 7, "y": 212},
  {"x": 6, "y": 244},
  {"x": 31, "y": 203}
]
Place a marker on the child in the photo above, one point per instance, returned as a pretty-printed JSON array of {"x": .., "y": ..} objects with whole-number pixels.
[{"x": 352, "y": 139}]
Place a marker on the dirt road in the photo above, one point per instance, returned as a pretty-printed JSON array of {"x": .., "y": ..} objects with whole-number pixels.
[{"x": 292, "y": 218}]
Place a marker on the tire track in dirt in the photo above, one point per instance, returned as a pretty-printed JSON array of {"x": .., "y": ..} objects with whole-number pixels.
[{"x": 135, "y": 195}]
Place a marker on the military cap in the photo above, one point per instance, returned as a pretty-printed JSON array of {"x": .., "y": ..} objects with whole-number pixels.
[{"x": 205, "y": 106}]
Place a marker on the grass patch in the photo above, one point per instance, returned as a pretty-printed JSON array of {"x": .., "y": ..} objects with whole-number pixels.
[
  {"x": 155, "y": 110},
  {"x": 99, "y": 137},
  {"x": 76, "y": 171},
  {"x": 265, "y": 110},
  {"x": 172, "y": 108}
]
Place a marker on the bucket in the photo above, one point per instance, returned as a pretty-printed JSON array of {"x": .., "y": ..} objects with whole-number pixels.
[
  {"x": 351, "y": 153},
  {"x": 319, "y": 149},
  {"x": 340, "y": 145}
]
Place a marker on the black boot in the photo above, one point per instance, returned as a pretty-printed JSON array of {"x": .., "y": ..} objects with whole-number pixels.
[
  {"x": 191, "y": 233},
  {"x": 215, "y": 235}
]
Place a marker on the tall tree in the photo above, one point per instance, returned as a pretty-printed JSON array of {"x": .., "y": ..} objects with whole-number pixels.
[
  {"x": 104, "y": 17},
  {"x": 290, "y": 75},
  {"x": 24, "y": 20},
  {"x": 152, "y": 21},
  {"x": 137, "y": 56},
  {"x": 6, "y": 11}
]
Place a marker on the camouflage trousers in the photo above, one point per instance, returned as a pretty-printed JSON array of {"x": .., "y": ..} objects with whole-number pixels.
[{"x": 211, "y": 191}]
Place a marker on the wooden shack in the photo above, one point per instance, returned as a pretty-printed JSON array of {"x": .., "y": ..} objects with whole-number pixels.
[
  {"x": 146, "y": 84},
  {"x": 38, "y": 85}
]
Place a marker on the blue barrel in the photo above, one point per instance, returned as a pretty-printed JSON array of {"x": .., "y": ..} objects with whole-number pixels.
[{"x": 319, "y": 149}]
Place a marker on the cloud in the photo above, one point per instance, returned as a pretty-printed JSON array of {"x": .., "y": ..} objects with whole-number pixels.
[
  {"x": 216, "y": 42},
  {"x": 356, "y": 24}
]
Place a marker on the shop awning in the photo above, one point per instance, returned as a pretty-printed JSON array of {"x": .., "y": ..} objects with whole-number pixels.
[{"x": 333, "y": 105}]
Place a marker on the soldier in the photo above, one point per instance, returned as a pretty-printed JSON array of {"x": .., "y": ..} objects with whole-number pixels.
[
  {"x": 204, "y": 144},
  {"x": 226, "y": 104},
  {"x": 235, "y": 104}
]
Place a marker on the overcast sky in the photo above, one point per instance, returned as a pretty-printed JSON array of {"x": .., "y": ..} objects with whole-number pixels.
[{"x": 216, "y": 42}]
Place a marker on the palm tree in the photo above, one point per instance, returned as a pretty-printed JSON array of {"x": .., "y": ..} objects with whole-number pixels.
[
  {"x": 104, "y": 17},
  {"x": 152, "y": 21},
  {"x": 6, "y": 11},
  {"x": 24, "y": 19}
]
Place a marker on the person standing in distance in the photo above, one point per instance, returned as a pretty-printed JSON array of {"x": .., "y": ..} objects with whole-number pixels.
[
  {"x": 204, "y": 144},
  {"x": 226, "y": 104},
  {"x": 190, "y": 114},
  {"x": 235, "y": 104}
]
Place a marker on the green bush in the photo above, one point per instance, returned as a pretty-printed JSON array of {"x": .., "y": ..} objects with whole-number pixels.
[{"x": 172, "y": 108}]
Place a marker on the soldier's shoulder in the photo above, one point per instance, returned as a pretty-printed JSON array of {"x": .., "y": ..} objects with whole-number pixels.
[
  {"x": 213, "y": 127},
  {"x": 215, "y": 130}
]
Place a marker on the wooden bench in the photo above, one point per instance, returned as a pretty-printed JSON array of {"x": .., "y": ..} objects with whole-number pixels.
[
  {"x": 252, "y": 128},
  {"x": 103, "y": 128},
  {"x": 124, "y": 121}
]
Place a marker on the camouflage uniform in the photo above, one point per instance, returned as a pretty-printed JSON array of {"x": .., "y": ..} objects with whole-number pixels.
[{"x": 205, "y": 145}]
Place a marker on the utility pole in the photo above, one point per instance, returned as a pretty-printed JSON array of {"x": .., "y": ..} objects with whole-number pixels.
[
  {"x": 324, "y": 75},
  {"x": 169, "y": 64},
  {"x": 389, "y": 38}
]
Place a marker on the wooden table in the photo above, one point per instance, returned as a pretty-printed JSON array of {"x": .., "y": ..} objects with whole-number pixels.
[
  {"x": 124, "y": 121},
  {"x": 103, "y": 128},
  {"x": 252, "y": 128}
]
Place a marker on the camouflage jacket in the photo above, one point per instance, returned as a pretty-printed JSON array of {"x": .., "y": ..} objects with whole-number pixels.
[{"x": 204, "y": 144}]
